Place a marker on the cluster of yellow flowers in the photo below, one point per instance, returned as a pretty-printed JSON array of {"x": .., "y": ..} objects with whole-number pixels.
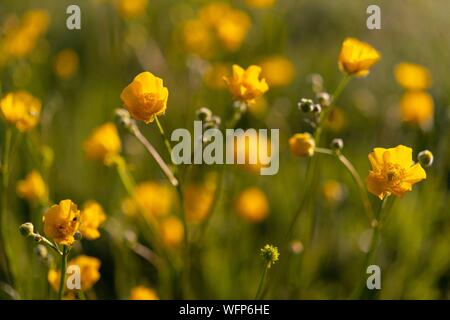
[
  {"x": 416, "y": 105},
  {"x": 216, "y": 23},
  {"x": 21, "y": 35}
]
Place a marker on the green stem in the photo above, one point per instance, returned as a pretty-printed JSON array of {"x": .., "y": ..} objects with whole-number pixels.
[
  {"x": 370, "y": 255},
  {"x": 62, "y": 281},
  {"x": 261, "y": 283},
  {"x": 4, "y": 200}
]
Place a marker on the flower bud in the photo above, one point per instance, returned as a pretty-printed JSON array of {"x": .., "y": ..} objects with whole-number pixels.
[
  {"x": 337, "y": 144},
  {"x": 425, "y": 158},
  {"x": 37, "y": 237},
  {"x": 270, "y": 254},
  {"x": 123, "y": 119},
  {"x": 317, "y": 108},
  {"x": 41, "y": 251},
  {"x": 204, "y": 114},
  {"x": 78, "y": 236},
  {"x": 324, "y": 99},
  {"x": 26, "y": 229},
  {"x": 217, "y": 120},
  {"x": 305, "y": 105}
]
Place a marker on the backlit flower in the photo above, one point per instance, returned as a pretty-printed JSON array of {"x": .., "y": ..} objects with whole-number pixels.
[
  {"x": 357, "y": 57},
  {"x": 417, "y": 107},
  {"x": 333, "y": 191},
  {"x": 393, "y": 171},
  {"x": 198, "y": 199},
  {"x": 198, "y": 38},
  {"x": 143, "y": 293},
  {"x": 21, "y": 109},
  {"x": 412, "y": 76},
  {"x": 277, "y": 70},
  {"x": 245, "y": 85},
  {"x": 302, "y": 144},
  {"x": 102, "y": 143},
  {"x": 145, "y": 97},
  {"x": 252, "y": 205},
  {"x": 92, "y": 216},
  {"x": 61, "y": 221},
  {"x": 232, "y": 29},
  {"x": 32, "y": 188}
]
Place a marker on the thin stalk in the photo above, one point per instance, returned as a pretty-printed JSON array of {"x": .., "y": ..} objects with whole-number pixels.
[
  {"x": 370, "y": 255},
  {"x": 261, "y": 283},
  {"x": 62, "y": 281},
  {"x": 4, "y": 200}
]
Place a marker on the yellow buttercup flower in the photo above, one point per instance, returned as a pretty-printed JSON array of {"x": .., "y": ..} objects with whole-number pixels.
[
  {"x": 35, "y": 22},
  {"x": 417, "y": 107},
  {"x": 412, "y": 76},
  {"x": 143, "y": 293},
  {"x": 252, "y": 205},
  {"x": 153, "y": 198},
  {"x": 132, "y": 8},
  {"x": 89, "y": 273},
  {"x": 21, "y": 109},
  {"x": 92, "y": 216},
  {"x": 357, "y": 57},
  {"x": 172, "y": 231},
  {"x": 102, "y": 143},
  {"x": 232, "y": 29},
  {"x": 211, "y": 13},
  {"x": 61, "y": 221},
  {"x": 277, "y": 70},
  {"x": 302, "y": 144},
  {"x": 145, "y": 97},
  {"x": 33, "y": 188},
  {"x": 393, "y": 171},
  {"x": 66, "y": 63},
  {"x": 245, "y": 85}
]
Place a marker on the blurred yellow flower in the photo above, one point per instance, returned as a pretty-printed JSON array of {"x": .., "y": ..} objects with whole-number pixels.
[
  {"x": 248, "y": 147},
  {"x": 89, "y": 273},
  {"x": 61, "y": 221},
  {"x": 277, "y": 70},
  {"x": 153, "y": 198},
  {"x": 132, "y": 8},
  {"x": 260, "y": 3},
  {"x": 102, "y": 143},
  {"x": 197, "y": 38},
  {"x": 357, "y": 57},
  {"x": 393, "y": 171},
  {"x": 412, "y": 76},
  {"x": 417, "y": 107},
  {"x": 232, "y": 29},
  {"x": 66, "y": 63},
  {"x": 143, "y": 293},
  {"x": 21, "y": 109},
  {"x": 172, "y": 231},
  {"x": 333, "y": 191},
  {"x": 214, "y": 74},
  {"x": 336, "y": 119},
  {"x": 198, "y": 199},
  {"x": 212, "y": 12},
  {"x": 252, "y": 205},
  {"x": 92, "y": 216},
  {"x": 145, "y": 97},
  {"x": 20, "y": 38},
  {"x": 302, "y": 144},
  {"x": 33, "y": 188},
  {"x": 245, "y": 85}
]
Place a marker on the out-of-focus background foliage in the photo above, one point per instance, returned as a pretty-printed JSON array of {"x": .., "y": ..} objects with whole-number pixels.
[{"x": 114, "y": 44}]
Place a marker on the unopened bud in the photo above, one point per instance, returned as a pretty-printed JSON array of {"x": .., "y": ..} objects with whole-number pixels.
[
  {"x": 425, "y": 158},
  {"x": 324, "y": 99},
  {"x": 317, "y": 108},
  {"x": 337, "y": 144},
  {"x": 41, "y": 251},
  {"x": 123, "y": 119},
  {"x": 204, "y": 114},
  {"x": 26, "y": 229},
  {"x": 306, "y": 105}
]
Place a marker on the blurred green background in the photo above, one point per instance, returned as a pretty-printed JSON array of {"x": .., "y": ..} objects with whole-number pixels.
[{"x": 112, "y": 48}]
